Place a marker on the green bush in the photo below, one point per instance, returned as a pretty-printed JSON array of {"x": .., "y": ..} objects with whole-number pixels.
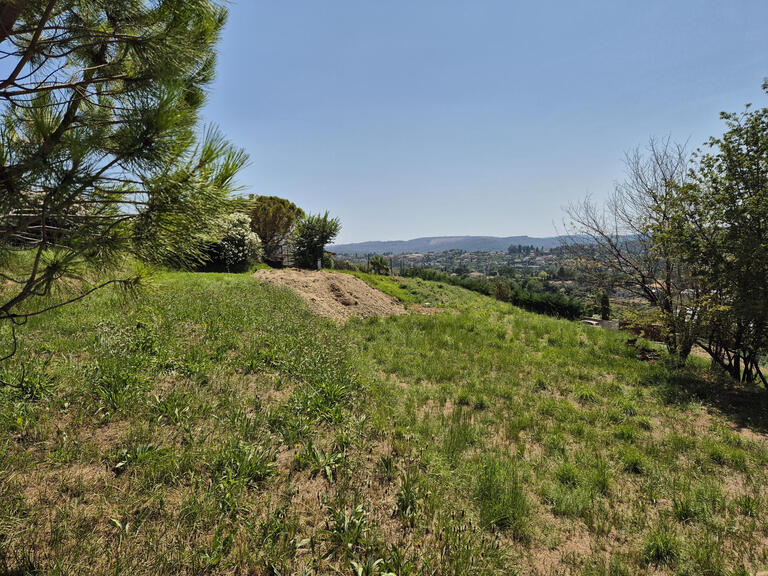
[
  {"x": 236, "y": 248},
  {"x": 312, "y": 233}
]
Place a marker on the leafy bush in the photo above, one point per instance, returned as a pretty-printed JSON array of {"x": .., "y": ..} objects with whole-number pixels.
[
  {"x": 345, "y": 265},
  {"x": 379, "y": 265},
  {"x": 312, "y": 233},
  {"x": 237, "y": 247}
]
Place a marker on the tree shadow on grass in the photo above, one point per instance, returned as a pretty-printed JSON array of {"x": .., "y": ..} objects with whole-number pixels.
[{"x": 746, "y": 406}]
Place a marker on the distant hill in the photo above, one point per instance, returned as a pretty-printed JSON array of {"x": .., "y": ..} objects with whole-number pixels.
[{"x": 442, "y": 243}]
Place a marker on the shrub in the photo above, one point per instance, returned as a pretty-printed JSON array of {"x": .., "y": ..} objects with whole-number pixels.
[
  {"x": 273, "y": 219},
  {"x": 501, "y": 291},
  {"x": 236, "y": 248},
  {"x": 345, "y": 265},
  {"x": 312, "y": 233}
]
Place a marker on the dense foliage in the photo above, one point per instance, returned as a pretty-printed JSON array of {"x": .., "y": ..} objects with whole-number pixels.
[
  {"x": 310, "y": 237},
  {"x": 721, "y": 230},
  {"x": 99, "y": 150},
  {"x": 378, "y": 264},
  {"x": 273, "y": 219},
  {"x": 236, "y": 248},
  {"x": 550, "y": 303}
]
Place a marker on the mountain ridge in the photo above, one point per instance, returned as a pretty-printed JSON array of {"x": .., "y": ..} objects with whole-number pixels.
[{"x": 428, "y": 244}]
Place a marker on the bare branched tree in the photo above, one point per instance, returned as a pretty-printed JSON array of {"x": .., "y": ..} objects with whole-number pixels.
[{"x": 627, "y": 243}]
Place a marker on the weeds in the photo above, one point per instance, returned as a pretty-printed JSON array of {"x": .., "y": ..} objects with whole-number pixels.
[
  {"x": 246, "y": 463},
  {"x": 347, "y": 531},
  {"x": 408, "y": 498},
  {"x": 320, "y": 461},
  {"x": 661, "y": 545},
  {"x": 501, "y": 498}
]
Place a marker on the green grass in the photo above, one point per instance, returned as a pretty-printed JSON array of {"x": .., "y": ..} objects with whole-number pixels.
[
  {"x": 412, "y": 291},
  {"x": 215, "y": 426}
]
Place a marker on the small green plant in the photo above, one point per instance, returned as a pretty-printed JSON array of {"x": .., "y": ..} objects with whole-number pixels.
[
  {"x": 116, "y": 386},
  {"x": 367, "y": 567},
  {"x": 385, "y": 468},
  {"x": 347, "y": 531},
  {"x": 247, "y": 463},
  {"x": 749, "y": 505},
  {"x": 173, "y": 408},
  {"x": 587, "y": 395},
  {"x": 661, "y": 545},
  {"x": 626, "y": 433},
  {"x": 408, "y": 498},
  {"x": 320, "y": 461},
  {"x": 31, "y": 383},
  {"x": 212, "y": 555},
  {"x": 684, "y": 506},
  {"x": 459, "y": 435},
  {"x": 133, "y": 455},
  {"x": 706, "y": 554},
  {"x": 633, "y": 460},
  {"x": 599, "y": 475},
  {"x": 395, "y": 563},
  {"x": 567, "y": 474},
  {"x": 600, "y": 566},
  {"x": 569, "y": 501},
  {"x": 726, "y": 455}
]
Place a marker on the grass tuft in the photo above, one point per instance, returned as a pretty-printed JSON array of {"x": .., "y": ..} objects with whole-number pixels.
[{"x": 501, "y": 498}]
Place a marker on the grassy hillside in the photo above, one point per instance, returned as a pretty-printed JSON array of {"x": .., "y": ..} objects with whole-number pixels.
[{"x": 218, "y": 427}]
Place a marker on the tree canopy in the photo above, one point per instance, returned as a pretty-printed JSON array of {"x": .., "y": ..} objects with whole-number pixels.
[
  {"x": 722, "y": 232},
  {"x": 273, "y": 219},
  {"x": 312, "y": 233}
]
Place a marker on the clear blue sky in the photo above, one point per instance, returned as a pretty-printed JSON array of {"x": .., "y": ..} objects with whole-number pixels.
[{"x": 411, "y": 118}]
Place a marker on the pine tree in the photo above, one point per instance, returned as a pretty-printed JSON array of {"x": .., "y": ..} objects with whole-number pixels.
[{"x": 101, "y": 156}]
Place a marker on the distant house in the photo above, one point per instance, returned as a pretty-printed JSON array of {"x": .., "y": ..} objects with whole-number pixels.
[{"x": 597, "y": 322}]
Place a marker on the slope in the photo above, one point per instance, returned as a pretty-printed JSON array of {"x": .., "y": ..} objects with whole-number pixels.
[{"x": 219, "y": 427}]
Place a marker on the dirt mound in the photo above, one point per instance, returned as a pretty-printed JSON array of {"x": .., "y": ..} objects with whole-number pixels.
[{"x": 334, "y": 295}]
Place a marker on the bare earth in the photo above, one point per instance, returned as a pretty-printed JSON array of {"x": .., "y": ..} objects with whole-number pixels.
[{"x": 334, "y": 295}]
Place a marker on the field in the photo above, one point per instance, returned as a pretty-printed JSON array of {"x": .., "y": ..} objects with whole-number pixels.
[{"x": 216, "y": 426}]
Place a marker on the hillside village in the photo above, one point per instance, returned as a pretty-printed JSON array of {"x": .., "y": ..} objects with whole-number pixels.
[{"x": 477, "y": 263}]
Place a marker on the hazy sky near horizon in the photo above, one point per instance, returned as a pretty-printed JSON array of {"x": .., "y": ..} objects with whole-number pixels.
[{"x": 486, "y": 117}]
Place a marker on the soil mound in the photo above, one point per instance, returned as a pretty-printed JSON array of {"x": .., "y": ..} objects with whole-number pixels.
[{"x": 334, "y": 295}]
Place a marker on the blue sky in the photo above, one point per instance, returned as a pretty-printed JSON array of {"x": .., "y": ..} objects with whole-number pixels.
[{"x": 421, "y": 118}]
